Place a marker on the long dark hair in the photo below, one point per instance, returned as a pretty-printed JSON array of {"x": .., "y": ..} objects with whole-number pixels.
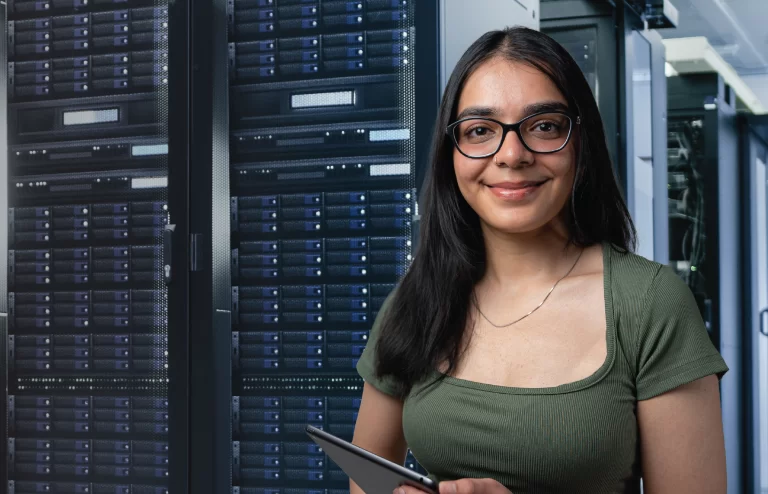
[{"x": 426, "y": 318}]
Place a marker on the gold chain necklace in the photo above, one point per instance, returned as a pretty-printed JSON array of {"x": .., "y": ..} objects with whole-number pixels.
[{"x": 474, "y": 299}]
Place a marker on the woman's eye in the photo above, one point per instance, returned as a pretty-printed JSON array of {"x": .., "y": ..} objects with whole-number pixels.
[
  {"x": 545, "y": 127},
  {"x": 477, "y": 131}
]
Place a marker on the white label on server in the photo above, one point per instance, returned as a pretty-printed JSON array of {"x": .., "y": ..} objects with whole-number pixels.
[
  {"x": 314, "y": 100},
  {"x": 88, "y": 117},
  {"x": 392, "y": 169},
  {"x": 150, "y": 150},
  {"x": 149, "y": 182},
  {"x": 390, "y": 135}
]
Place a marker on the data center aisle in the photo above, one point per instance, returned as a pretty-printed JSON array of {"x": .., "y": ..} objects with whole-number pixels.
[
  {"x": 87, "y": 307},
  {"x": 323, "y": 202}
]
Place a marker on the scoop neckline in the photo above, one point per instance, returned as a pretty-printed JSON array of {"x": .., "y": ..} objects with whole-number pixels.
[{"x": 583, "y": 383}]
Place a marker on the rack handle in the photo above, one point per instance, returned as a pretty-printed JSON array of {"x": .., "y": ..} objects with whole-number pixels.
[{"x": 168, "y": 253}]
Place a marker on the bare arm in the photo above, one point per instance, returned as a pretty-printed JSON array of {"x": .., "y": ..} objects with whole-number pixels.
[
  {"x": 681, "y": 437},
  {"x": 379, "y": 428}
]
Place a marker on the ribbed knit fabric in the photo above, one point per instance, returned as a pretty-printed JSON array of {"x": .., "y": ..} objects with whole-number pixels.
[{"x": 580, "y": 437}]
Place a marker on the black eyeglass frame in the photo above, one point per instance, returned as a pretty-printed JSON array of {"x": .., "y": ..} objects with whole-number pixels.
[{"x": 573, "y": 119}]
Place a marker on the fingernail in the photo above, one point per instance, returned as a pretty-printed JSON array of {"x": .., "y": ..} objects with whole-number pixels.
[
  {"x": 399, "y": 490},
  {"x": 450, "y": 488}
]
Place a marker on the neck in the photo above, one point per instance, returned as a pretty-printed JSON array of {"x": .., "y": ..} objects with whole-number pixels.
[{"x": 514, "y": 260}]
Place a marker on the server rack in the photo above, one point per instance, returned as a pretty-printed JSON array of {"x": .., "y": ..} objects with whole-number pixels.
[
  {"x": 3, "y": 239},
  {"x": 323, "y": 201},
  {"x": 644, "y": 141},
  {"x": 701, "y": 147},
  {"x": 588, "y": 30},
  {"x": 704, "y": 226},
  {"x": 89, "y": 356},
  {"x": 753, "y": 133}
]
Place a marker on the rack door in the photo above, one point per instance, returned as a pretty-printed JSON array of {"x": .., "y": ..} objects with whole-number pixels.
[
  {"x": 87, "y": 348},
  {"x": 760, "y": 367},
  {"x": 323, "y": 198},
  {"x": 755, "y": 154}
]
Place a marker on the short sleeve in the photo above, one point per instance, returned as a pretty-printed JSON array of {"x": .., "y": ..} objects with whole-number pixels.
[
  {"x": 367, "y": 362},
  {"x": 674, "y": 347}
]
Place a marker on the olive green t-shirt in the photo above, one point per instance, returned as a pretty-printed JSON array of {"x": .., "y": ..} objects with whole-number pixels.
[{"x": 580, "y": 437}]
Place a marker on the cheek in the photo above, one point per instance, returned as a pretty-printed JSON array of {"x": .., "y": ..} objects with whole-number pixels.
[
  {"x": 565, "y": 171},
  {"x": 561, "y": 166},
  {"x": 467, "y": 170},
  {"x": 562, "y": 185}
]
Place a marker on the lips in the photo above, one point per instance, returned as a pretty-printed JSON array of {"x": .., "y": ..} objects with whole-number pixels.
[
  {"x": 516, "y": 192},
  {"x": 517, "y": 185}
]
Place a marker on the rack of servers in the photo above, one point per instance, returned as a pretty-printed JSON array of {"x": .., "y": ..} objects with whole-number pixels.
[
  {"x": 753, "y": 134},
  {"x": 703, "y": 157},
  {"x": 322, "y": 210},
  {"x": 86, "y": 344},
  {"x": 705, "y": 228},
  {"x": 319, "y": 174}
]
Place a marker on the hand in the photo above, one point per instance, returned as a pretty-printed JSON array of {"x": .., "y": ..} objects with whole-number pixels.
[{"x": 461, "y": 486}]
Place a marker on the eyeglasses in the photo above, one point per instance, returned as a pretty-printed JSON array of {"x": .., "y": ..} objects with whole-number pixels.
[{"x": 479, "y": 137}]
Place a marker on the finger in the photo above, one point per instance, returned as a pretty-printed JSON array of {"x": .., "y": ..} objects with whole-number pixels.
[
  {"x": 490, "y": 486},
  {"x": 447, "y": 487},
  {"x": 472, "y": 486},
  {"x": 407, "y": 489},
  {"x": 468, "y": 486},
  {"x": 461, "y": 486}
]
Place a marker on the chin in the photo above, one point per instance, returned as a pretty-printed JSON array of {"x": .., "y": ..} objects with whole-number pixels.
[{"x": 516, "y": 226}]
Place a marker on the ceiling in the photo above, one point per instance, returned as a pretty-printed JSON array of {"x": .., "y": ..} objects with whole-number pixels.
[{"x": 737, "y": 29}]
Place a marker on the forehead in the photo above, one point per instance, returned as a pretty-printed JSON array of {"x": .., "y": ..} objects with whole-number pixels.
[{"x": 507, "y": 87}]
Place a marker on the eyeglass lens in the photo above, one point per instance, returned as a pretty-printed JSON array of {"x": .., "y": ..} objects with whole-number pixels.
[{"x": 542, "y": 133}]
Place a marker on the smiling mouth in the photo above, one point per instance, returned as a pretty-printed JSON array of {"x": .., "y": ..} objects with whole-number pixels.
[
  {"x": 517, "y": 185},
  {"x": 514, "y": 192}
]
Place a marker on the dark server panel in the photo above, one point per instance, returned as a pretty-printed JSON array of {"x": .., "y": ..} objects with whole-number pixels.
[
  {"x": 323, "y": 200},
  {"x": 87, "y": 406},
  {"x": 581, "y": 44},
  {"x": 688, "y": 223}
]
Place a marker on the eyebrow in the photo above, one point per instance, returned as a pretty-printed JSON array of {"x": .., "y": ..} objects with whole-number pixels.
[{"x": 487, "y": 111}]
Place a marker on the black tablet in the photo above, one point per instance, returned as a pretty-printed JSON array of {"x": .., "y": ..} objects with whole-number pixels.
[{"x": 374, "y": 474}]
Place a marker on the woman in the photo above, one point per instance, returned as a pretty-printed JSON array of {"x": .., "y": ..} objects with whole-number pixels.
[{"x": 527, "y": 350}]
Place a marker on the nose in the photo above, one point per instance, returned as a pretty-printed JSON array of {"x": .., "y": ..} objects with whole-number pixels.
[{"x": 512, "y": 152}]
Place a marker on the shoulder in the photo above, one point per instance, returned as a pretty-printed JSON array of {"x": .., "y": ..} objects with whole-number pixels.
[
  {"x": 631, "y": 276},
  {"x": 659, "y": 326},
  {"x": 637, "y": 280},
  {"x": 648, "y": 301}
]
